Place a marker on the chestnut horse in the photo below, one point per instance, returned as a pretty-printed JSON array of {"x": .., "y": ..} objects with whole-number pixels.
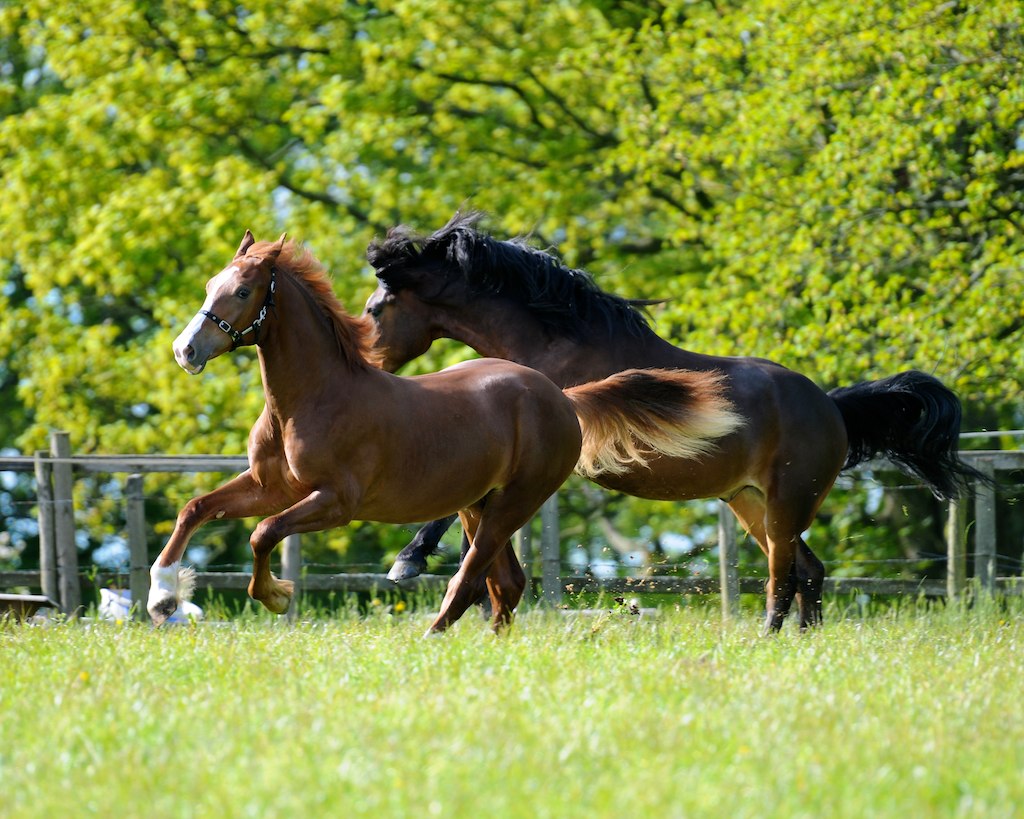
[
  {"x": 341, "y": 439},
  {"x": 509, "y": 300}
]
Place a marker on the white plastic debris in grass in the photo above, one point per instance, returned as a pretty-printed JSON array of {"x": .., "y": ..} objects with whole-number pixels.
[{"x": 116, "y": 604}]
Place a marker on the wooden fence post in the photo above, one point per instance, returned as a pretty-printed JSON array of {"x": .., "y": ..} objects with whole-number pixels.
[
  {"x": 138, "y": 553},
  {"x": 550, "y": 553},
  {"x": 64, "y": 525},
  {"x": 47, "y": 540},
  {"x": 291, "y": 569},
  {"x": 524, "y": 543},
  {"x": 956, "y": 550},
  {"x": 728, "y": 562},
  {"x": 985, "y": 529}
]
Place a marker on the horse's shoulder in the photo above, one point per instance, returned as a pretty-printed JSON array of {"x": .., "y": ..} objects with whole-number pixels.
[{"x": 264, "y": 437}]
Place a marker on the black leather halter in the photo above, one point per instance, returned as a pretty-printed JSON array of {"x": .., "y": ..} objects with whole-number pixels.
[{"x": 238, "y": 335}]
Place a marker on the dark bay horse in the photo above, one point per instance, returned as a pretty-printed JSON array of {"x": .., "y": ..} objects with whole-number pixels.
[
  {"x": 341, "y": 439},
  {"x": 509, "y": 300}
]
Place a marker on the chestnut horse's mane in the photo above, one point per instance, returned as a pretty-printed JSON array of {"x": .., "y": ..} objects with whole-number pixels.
[
  {"x": 355, "y": 336},
  {"x": 566, "y": 300}
]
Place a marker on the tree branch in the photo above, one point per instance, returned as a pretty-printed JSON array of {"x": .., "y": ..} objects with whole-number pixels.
[
  {"x": 501, "y": 84},
  {"x": 603, "y": 139},
  {"x": 285, "y": 181}
]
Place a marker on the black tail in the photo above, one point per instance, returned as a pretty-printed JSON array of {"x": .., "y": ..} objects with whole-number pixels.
[{"x": 914, "y": 420}]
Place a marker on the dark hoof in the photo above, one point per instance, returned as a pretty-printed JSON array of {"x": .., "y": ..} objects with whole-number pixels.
[
  {"x": 405, "y": 570},
  {"x": 162, "y": 610},
  {"x": 772, "y": 625}
]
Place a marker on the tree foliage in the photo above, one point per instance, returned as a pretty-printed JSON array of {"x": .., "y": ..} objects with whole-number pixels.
[{"x": 836, "y": 185}]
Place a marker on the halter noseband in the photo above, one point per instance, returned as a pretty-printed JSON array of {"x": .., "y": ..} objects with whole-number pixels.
[{"x": 236, "y": 335}]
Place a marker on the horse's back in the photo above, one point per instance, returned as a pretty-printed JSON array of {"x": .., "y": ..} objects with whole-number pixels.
[
  {"x": 522, "y": 396},
  {"x": 495, "y": 380},
  {"x": 516, "y": 375}
]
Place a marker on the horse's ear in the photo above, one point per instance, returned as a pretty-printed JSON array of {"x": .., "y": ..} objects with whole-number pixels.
[
  {"x": 247, "y": 242},
  {"x": 276, "y": 249}
]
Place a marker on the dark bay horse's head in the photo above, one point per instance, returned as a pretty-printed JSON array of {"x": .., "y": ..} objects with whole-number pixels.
[
  {"x": 418, "y": 277},
  {"x": 403, "y": 322},
  {"x": 459, "y": 279},
  {"x": 238, "y": 297}
]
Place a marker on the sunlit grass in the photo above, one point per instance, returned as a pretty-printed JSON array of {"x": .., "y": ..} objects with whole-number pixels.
[{"x": 908, "y": 711}]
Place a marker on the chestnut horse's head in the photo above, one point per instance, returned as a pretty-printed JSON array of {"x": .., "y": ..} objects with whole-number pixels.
[{"x": 238, "y": 297}]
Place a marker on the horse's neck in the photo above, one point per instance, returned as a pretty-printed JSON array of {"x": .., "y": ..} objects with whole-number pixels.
[
  {"x": 299, "y": 354},
  {"x": 498, "y": 332}
]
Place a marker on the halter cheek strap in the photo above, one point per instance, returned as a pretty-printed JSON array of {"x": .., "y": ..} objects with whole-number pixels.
[{"x": 237, "y": 336}]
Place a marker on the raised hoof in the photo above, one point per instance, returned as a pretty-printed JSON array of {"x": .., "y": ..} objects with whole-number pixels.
[
  {"x": 280, "y": 597},
  {"x": 162, "y": 609},
  {"x": 405, "y": 570}
]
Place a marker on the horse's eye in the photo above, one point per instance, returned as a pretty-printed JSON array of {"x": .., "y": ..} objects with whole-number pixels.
[
  {"x": 243, "y": 292},
  {"x": 376, "y": 304}
]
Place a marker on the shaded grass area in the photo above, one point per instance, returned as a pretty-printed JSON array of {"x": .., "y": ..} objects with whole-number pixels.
[{"x": 908, "y": 710}]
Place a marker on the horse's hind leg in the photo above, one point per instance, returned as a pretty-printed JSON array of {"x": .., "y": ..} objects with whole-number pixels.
[
  {"x": 793, "y": 567},
  {"x": 489, "y": 526},
  {"x": 505, "y": 584},
  {"x": 468, "y": 584},
  {"x": 810, "y": 577},
  {"x": 484, "y": 600},
  {"x": 750, "y": 509},
  {"x": 797, "y": 572}
]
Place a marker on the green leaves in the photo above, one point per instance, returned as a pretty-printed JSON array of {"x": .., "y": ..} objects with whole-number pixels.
[{"x": 837, "y": 187}]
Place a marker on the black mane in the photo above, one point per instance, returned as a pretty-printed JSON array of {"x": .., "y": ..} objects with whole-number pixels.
[{"x": 567, "y": 301}]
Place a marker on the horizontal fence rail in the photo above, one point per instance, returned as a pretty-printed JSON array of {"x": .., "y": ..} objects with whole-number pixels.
[{"x": 59, "y": 577}]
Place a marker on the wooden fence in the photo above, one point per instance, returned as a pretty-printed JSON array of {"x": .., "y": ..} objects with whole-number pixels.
[{"x": 60, "y": 579}]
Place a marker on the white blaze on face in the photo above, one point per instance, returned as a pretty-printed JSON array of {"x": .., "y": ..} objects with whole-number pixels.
[{"x": 187, "y": 338}]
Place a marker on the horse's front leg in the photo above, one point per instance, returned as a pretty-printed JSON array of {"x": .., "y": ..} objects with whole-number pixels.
[
  {"x": 321, "y": 509},
  {"x": 412, "y": 560},
  {"x": 240, "y": 497}
]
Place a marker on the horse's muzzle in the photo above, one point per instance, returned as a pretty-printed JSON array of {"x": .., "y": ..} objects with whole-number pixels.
[
  {"x": 187, "y": 348},
  {"x": 188, "y": 359},
  {"x": 192, "y": 369}
]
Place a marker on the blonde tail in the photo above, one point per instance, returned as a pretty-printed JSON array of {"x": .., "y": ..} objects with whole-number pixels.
[{"x": 634, "y": 415}]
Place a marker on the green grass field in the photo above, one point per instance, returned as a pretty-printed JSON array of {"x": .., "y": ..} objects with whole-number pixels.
[{"x": 905, "y": 712}]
